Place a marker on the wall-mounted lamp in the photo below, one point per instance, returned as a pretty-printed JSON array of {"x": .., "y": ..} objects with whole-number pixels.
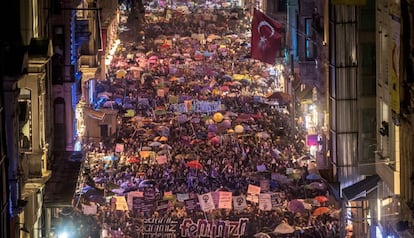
[
  {"x": 23, "y": 227},
  {"x": 25, "y": 230},
  {"x": 412, "y": 178},
  {"x": 384, "y": 128}
]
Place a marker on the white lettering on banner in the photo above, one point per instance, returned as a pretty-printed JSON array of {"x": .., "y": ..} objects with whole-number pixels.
[
  {"x": 206, "y": 106},
  {"x": 225, "y": 199},
  {"x": 182, "y": 196},
  {"x": 253, "y": 192},
  {"x": 160, "y": 227},
  {"x": 253, "y": 189},
  {"x": 131, "y": 196},
  {"x": 198, "y": 106},
  {"x": 178, "y": 107},
  {"x": 265, "y": 203},
  {"x": 212, "y": 229}
]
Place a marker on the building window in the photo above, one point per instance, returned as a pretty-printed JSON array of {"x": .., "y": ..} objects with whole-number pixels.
[
  {"x": 281, "y": 6},
  {"x": 368, "y": 69},
  {"x": 368, "y": 134},
  {"x": 58, "y": 57},
  {"x": 367, "y": 16},
  {"x": 309, "y": 46}
]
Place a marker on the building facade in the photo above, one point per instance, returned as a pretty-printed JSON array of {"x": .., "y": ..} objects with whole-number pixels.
[
  {"x": 78, "y": 45},
  {"x": 369, "y": 74},
  {"x": 4, "y": 201},
  {"x": 70, "y": 33},
  {"x": 26, "y": 87},
  {"x": 95, "y": 124},
  {"x": 352, "y": 106},
  {"x": 48, "y": 48},
  {"x": 340, "y": 53},
  {"x": 307, "y": 56},
  {"x": 83, "y": 33},
  {"x": 394, "y": 150}
]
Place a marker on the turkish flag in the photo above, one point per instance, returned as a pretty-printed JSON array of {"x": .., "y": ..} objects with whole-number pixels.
[{"x": 265, "y": 41}]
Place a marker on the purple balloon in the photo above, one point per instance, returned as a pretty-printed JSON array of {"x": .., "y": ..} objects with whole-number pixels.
[
  {"x": 212, "y": 128},
  {"x": 226, "y": 124}
]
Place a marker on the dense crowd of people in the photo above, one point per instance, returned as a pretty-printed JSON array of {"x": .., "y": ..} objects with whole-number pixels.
[{"x": 205, "y": 119}]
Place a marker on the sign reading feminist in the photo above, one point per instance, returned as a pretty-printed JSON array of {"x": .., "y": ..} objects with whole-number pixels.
[{"x": 213, "y": 229}]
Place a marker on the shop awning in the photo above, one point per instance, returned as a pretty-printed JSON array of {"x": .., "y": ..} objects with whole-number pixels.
[
  {"x": 40, "y": 47},
  {"x": 99, "y": 115},
  {"x": 361, "y": 189},
  {"x": 61, "y": 187}
]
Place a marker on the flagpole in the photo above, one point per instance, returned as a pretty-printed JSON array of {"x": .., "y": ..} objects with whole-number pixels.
[
  {"x": 292, "y": 93},
  {"x": 205, "y": 215}
]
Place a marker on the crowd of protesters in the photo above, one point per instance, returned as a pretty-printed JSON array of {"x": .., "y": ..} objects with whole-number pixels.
[{"x": 249, "y": 139}]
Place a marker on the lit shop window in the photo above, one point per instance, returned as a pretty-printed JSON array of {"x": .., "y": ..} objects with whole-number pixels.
[{"x": 25, "y": 120}]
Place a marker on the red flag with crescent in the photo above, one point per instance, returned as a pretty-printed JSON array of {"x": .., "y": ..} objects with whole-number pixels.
[{"x": 266, "y": 37}]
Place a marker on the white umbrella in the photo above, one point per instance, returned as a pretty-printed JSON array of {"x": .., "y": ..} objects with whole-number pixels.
[
  {"x": 109, "y": 103},
  {"x": 165, "y": 147},
  {"x": 305, "y": 157},
  {"x": 147, "y": 183},
  {"x": 104, "y": 95},
  {"x": 307, "y": 206},
  {"x": 163, "y": 152},
  {"x": 155, "y": 144},
  {"x": 119, "y": 191},
  {"x": 261, "y": 235},
  {"x": 263, "y": 135},
  {"x": 262, "y": 84},
  {"x": 124, "y": 184},
  {"x": 284, "y": 228}
]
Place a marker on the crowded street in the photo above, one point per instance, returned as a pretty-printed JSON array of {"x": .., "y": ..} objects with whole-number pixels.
[{"x": 208, "y": 141}]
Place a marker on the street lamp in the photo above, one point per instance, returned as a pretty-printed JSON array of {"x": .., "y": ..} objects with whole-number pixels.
[{"x": 63, "y": 234}]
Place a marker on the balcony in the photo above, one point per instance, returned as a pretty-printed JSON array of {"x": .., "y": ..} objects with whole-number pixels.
[
  {"x": 88, "y": 61},
  {"x": 82, "y": 33}
]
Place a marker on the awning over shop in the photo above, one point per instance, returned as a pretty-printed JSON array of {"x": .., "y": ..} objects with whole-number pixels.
[
  {"x": 61, "y": 186},
  {"x": 361, "y": 188},
  {"x": 99, "y": 115},
  {"x": 40, "y": 47}
]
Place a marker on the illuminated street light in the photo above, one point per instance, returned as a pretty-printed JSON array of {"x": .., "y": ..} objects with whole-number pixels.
[{"x": 63, "y": 234}]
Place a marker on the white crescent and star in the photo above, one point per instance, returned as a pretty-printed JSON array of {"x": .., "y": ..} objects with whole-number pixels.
[{"x": 263, "y": 38}]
